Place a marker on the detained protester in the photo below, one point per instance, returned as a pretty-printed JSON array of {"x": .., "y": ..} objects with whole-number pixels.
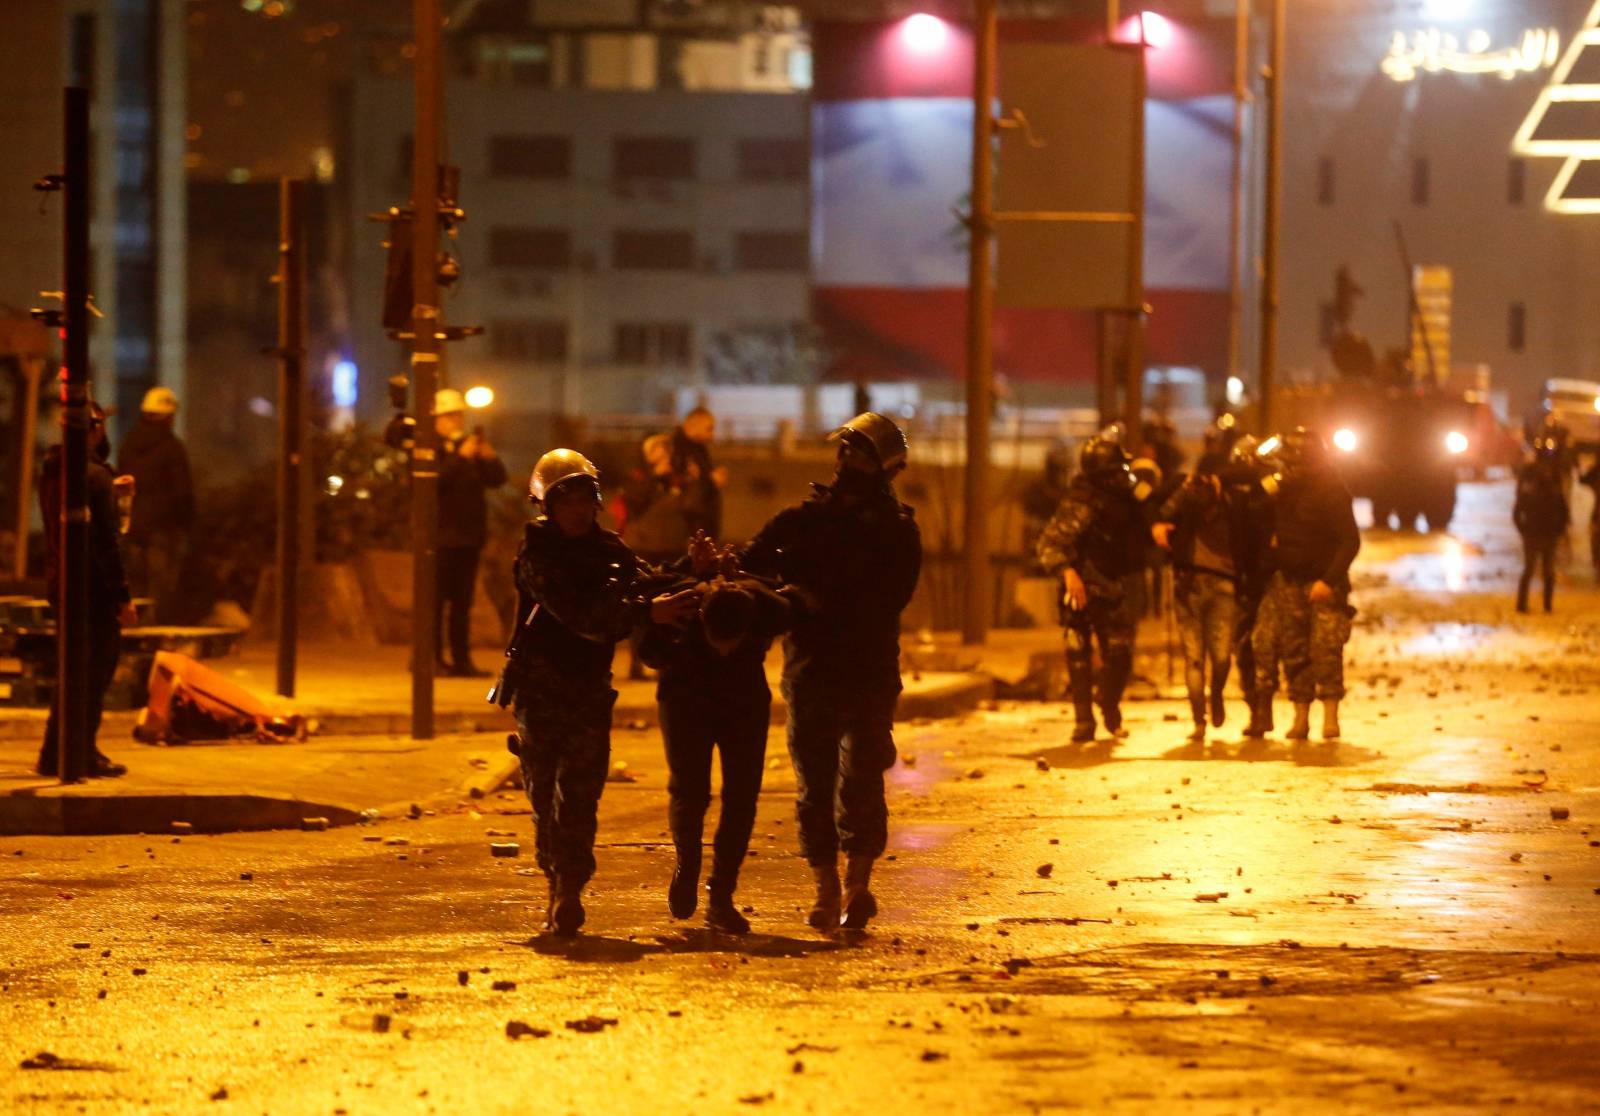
[
  {"x": 579, "y": 591},
  {"x": 1095, "y": 543},
  {"x": 109, "y": 604},
  {"x": 1305, "y": 615},
  {"x": 853, "y": 553},
  {"x": 713, "y": 696}
]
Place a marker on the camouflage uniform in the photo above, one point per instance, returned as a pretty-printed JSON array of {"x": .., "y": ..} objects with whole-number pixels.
[
  {"x": 1314, "y": 539},
  {"x": 1306, "y": 639},
  {"x": 576, "y": 598},
  {"x": 1101, "y": 534}
]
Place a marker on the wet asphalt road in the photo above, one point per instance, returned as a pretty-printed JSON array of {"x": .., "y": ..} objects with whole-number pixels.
[{"x": 1398, "y": 921}]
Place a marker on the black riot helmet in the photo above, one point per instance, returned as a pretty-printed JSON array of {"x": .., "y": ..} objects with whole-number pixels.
[
  {"x": 1303, "y": 451},
  {"x": 1547, "y": 448},
  {"x": 876, "y": 437},
  {"x": 1220, "y": 437},
  {"x": 1105, "y": 463}
]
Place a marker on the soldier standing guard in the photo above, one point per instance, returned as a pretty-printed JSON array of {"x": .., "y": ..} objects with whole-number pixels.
[
  {"x": 1305, "y": 615},
  {"x": 579, "y": 591},
  {"x": 853, "y": 553},
  {"x": 1095, "y": 544}
]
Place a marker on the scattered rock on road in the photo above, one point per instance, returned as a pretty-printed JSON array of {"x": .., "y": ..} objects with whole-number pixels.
[{"x": 516, "y": 1029}]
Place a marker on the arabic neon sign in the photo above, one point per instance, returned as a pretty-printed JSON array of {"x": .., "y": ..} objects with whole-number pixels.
[{"x": 1435, "y": 51}]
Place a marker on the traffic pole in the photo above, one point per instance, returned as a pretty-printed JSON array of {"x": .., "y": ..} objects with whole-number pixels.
[
  {"x": 980, "y": 356},
  {"x": 291, "y": 354},
  {"x": 429, "y": 80},
  {"x": 1267, "y": 375},
  {"x": 72, "y": 607},
  {"x": 1133, "y": 341}
]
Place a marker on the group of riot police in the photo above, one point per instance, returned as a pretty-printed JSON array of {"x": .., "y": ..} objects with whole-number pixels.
[
  {"x": 830, "y": 574},
  {"x": 1261, "y": 536}
]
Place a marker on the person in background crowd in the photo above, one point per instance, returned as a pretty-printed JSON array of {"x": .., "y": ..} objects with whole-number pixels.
[
  {"x": 468, "y": 469},
  {"x": 110, "y": 603},
  {"x": 1541, "y": 515},
  {"x": 158, "y": 537},
  {"x": 701, "y": 478},
  {"x": 654, "y": 520}
]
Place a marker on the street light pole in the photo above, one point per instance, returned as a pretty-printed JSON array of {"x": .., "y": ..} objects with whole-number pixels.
[
  {"x": 1241, "y": 93},
  {"x": 1271, "y": 217},
  {"x": 429, "y": 79},
  {"x": 980, "y": 313},
  {"x": 291, "y": 419}
]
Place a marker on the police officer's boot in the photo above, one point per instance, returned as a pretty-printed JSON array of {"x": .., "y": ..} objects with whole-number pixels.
[
  {"x": 824, "y": 914},
  {"x": 566, "y": 912},
  {"x": 1219, "y": 706},
  {"x": 721, "y": 914},
  {"x": 1260, "y": 717},
  {"x": 1197, "y": 709},
  {"x": 859, "y": 904},
  {"x": 1522, "y": 595},
  {"x": 1301, "y": 729},
  {"x": 1330, "y": 719},
  {"x": 1111, "y": 717},
  {"x": 1083, "y": 724}
]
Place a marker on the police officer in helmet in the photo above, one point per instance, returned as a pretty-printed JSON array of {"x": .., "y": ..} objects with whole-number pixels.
[
  {"x": 853, "y": 553},
  {"x": 1095, "y": 544},
  {"x": 579, "y": 591}
]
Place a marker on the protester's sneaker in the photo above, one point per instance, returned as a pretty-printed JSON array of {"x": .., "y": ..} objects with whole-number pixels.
[{"x": 722, "y": 915}]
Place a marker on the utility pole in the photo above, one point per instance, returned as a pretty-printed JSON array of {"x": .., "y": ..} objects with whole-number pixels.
[
  {"x": 72, "y": 606},
  {"x": 980, "y": 355},
  {"x": 291, "y": 355},
  {"x": 1241, "y": 94},
  {"x": 1133, "y": 383},
  {"x": 429, "y": 79},
  {"x": 1270, "y": 218}
]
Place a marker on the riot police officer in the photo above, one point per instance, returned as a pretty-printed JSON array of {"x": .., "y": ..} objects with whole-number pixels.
[
  {"x": 579, "y": 591},
  {"x": 1095, "y": 544},
  {"x": 1305, "y": 614},
  {"x": 854, "y": 553},
  {"x": 1250, "y": 480}
]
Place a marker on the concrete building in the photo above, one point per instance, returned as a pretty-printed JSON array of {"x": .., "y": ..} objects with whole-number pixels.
[
  {"x": 129, "y": 53},
  {"x": 637, "y": 201},
  {"x": 1388, "y": 124}
]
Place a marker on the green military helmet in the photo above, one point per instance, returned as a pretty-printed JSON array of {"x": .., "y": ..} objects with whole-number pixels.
[
  {"x": 559, "y": 468},
  {"x": 876, "y": 436}
]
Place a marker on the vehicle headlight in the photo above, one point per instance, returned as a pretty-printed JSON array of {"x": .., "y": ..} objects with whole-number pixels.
[
  {"x": 1345, "y": 439},
  {"x": 1455, "y": 442}
]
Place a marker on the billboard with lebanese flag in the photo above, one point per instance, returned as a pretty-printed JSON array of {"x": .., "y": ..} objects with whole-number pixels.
[{"x": 891, "y": 169}]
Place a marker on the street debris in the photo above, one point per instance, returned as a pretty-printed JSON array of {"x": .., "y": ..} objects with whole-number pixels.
[
  {"x": 381, "y": 1023},
  {"x": 1210, "y": 896},
  {"x": 1560, "y": 813},
  {"x": 182, "y": 828},
  {"x": 516, "y": 1029},
  {"x": 1044, "y": 870},
  {"x": 590, "y": 1024},
  {"x": 44, "y": 1060},
  {"x": 620, "y": 774},
  {"x": 314, "y": 824},
  {"x": 502, "y": 985},
  {"x": 504, "y": 849}
]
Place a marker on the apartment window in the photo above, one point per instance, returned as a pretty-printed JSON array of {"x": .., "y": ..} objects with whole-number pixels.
[
  {"x": 1516, "y": 181},
  {"x": 772, "y": 160},
  {"x": 537, "y": 341},
  {"x": 772, "y": 251},
  {"x": 670, "y": 157},
  {"x": 651, "y": 343},
  {"x": 653, "y": 250},
  {"x": 1324, "y": 181},
  {"x": 1517, "y": 328},
  {"x": 530, "y": 156},
  {"x": 1419, "y": 182},
  {"x": 514, "y": 246}
]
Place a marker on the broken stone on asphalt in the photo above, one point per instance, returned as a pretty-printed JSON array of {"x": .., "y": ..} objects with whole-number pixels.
[
  {"x": 504, "y": 849},
  {"x": 415, "y": 811},
  {"x": 381, "y": 1022},
  {"x": 221, "y": 1093},
  {"x": 1559, "y": 813},
  {"x": 516, "y": 1029},
  {"x": 314, "y": 825},
  {"x": 1210, "y": 896},
  {"x": 181, "y": 827},
  {"x": 396, "y": 842},
  {"x": 590, "y": 1024},
  {"x": 503, "y": 985},
  {"x": 1044, "y": 870}
]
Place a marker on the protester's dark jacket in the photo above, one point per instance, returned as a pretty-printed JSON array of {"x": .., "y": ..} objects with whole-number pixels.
[
  {"x": 691, "y": 670},
  {"x": 108, "y": 586},
  {"x": 1101, "y": 534},
  {"x": 576, "y": 598},
  {"x": 463, "y": 494},
  {"x": 702, "y": 499},
  {"x": 155, "y": 458},
  {"x": 856, "y": 566},
  {"x": 1230, "y": 519},
  {"x": 1315, "y": 537},
  {"x": 1541, "y": 508}
]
